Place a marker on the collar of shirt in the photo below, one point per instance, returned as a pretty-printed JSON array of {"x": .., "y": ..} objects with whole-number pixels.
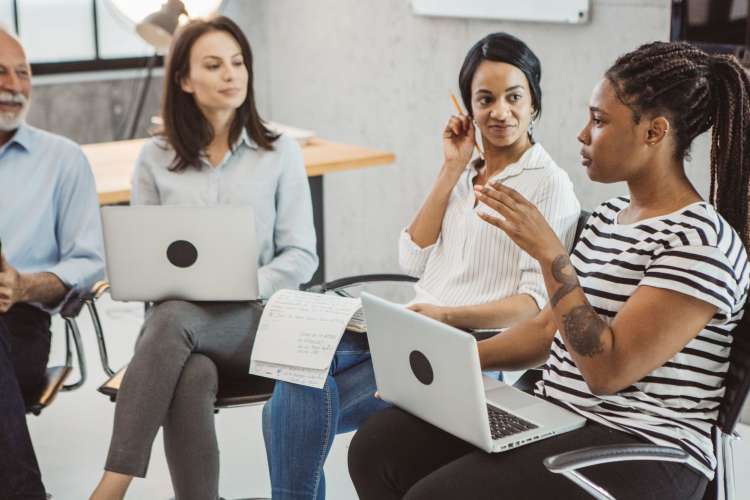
[
  {"x": 22, "y": 139},
  {"x": 243, "y": 139},
  {"x": 533, "y": 158}
]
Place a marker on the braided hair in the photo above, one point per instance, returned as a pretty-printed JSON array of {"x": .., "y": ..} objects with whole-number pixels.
[{"x": 696, "y": 91}]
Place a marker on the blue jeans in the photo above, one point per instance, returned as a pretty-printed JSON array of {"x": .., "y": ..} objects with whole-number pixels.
[
  {"x": 24, "y": 350},
  {"x": 300, "y": 423}
]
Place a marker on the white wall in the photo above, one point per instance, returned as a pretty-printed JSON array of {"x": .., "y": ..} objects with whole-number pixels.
[{"x": 374, "y": 74}]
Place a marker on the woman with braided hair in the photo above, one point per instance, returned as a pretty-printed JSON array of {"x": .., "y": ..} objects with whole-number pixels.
[{"x": 637, "y": 334}]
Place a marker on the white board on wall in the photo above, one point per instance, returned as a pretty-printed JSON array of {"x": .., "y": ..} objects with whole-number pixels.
[{"x": 546, "y": 11}]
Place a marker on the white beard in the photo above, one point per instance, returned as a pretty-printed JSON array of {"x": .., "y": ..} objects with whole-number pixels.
[{"x": 9, "y": 120}]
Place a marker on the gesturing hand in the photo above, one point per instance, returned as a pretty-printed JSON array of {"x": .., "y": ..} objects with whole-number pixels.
[{"x": 520, "y": 220}]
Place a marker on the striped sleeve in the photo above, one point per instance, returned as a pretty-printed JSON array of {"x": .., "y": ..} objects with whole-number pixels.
[
  {"x": 411, "y": 257},
  {"x": 703, "y": 272}
]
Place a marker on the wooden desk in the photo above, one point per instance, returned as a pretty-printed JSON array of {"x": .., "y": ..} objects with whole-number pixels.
[{"x": 113, "y": 163}]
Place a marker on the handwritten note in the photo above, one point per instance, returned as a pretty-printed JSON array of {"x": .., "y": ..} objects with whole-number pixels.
[{"x": 298, "y": 335}]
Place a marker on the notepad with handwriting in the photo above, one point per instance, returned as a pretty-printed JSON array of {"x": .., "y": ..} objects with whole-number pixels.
[{"x": 298, "y": 334}]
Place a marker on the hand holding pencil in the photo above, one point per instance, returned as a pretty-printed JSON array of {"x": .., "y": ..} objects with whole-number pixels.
[
  {"x": 461, "y": 113},
  {"x": 458, "y": 142}
]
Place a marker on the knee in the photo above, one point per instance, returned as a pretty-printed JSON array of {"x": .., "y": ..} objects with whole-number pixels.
[
  {"x": 166, "y": 322},
  {"x": 199, "y": 376},
  {"x": 366, "y": 457},
  {"x": 291, "y": 404}
]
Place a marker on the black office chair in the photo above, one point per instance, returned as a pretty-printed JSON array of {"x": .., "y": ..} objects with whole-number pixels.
[{"x": 730, "y": 410}]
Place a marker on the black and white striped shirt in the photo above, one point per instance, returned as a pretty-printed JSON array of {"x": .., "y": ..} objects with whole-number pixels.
[
  {"x": 474, "y": 262},
  {"x": 693, "y": 251}
]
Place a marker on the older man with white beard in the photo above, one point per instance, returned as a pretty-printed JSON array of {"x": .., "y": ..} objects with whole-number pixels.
[{"x": 50, "y": 247}]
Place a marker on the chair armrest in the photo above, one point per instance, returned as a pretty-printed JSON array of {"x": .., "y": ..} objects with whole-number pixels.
[
  {"x": 595, "y": 455},
  {"x": 72, "y": 307},
  {"x": 355, "y": 280}
]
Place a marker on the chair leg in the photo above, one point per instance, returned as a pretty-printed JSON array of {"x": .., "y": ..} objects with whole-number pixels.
[
  {"x": 101, "y": 343},
  {"x": 728, "y": 452},
  {"x": 71, "y": 330},
  {"x": 591, "y": 488}
]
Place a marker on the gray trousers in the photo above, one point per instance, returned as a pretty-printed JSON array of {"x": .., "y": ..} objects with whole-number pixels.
[{"x": 172, "y": 381}]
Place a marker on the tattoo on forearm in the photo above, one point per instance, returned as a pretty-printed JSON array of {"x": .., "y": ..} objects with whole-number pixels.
[
  {"x": 565, "y": 274},
  {"x": 583, "y": 329}
]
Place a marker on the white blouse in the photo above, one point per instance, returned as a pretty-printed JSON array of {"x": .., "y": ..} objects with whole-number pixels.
[{"x": 473, "y": 262}]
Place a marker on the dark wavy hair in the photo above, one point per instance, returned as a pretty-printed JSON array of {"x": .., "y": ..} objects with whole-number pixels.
[
  {"x": 185, "y": 128},
  {"x": 696, "y": 91},
  {"x": 502, "y": 47}
]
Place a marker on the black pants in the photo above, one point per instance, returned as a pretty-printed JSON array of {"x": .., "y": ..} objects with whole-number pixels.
[
  {"x": 396, "y": 455},
  {"x": 24, "y": 351}
]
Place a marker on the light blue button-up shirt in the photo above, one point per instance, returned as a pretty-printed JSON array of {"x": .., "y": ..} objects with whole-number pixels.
[
  {"x": 49, "y": 210},
  {"x": 274, "y": 183}
]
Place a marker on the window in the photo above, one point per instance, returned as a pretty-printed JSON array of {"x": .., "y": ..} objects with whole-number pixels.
[
  {"x": 56, "y": 30},
  {"x": 62, "y": 36},
  {"x": 6, "y": 15},
  {"x": 117, "y": 37}
]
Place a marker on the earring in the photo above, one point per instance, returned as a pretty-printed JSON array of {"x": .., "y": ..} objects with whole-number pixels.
[{"x": 531, "y": 128}]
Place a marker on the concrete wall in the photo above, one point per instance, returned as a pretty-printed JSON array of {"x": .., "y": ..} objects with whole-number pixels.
[{"x": 373, "y": 73}]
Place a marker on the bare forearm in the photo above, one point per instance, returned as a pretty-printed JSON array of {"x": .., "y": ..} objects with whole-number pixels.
[
  {"x": 44, "y": 288},
  {"x": 425, "y": 228},
  {"x": 588, "y": 338},
  {"x": 496, "y": 314},
  {"x": 523, "y": 346}
]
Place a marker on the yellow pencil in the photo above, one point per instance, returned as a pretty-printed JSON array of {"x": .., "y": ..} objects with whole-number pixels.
[{"x": 460, "y": 112}]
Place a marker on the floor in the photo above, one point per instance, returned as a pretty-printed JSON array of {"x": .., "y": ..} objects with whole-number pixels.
[{"x": 72, "y": 435}]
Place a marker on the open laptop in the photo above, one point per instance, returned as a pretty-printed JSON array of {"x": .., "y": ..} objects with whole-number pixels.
[
  {"x": 432, "y": 370},
  {"x": 171, "y": 252}
]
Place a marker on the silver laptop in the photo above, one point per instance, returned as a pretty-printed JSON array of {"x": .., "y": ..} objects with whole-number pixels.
[
  {"x": 191, "y": 253},
  {"x": 432, "y": 370}
]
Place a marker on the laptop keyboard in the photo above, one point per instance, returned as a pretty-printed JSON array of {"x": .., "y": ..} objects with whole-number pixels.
[{"x": 503, "y": 424}]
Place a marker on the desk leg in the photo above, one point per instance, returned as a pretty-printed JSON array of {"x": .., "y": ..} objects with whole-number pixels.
[{"x": 316, "y": 190}]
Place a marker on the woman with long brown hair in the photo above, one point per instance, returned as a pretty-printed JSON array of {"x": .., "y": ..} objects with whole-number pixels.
[{"x": 214, "y": 150}]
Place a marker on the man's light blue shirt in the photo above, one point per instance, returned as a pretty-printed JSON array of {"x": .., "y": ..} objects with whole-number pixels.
[{"x": 49, "y": 210}]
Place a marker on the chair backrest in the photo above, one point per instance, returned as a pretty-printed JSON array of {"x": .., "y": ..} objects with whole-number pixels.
[
  {"x": 738, "y": 376},
  {"x": 582, "y": 219}
]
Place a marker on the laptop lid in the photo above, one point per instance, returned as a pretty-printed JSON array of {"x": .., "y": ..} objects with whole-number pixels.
[
  {"x": 427, "y": 368},
  {"x": 190, "y": 253}
]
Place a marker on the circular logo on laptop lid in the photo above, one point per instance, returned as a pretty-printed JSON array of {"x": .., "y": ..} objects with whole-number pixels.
[
  {"x": 421, "y": 367},
  {"x": 182, "y": 253}
]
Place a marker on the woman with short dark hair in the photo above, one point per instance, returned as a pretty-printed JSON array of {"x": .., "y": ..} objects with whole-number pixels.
[
  {"x": 638, "y": 330},
  {"x": 213, "y": 150}
]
